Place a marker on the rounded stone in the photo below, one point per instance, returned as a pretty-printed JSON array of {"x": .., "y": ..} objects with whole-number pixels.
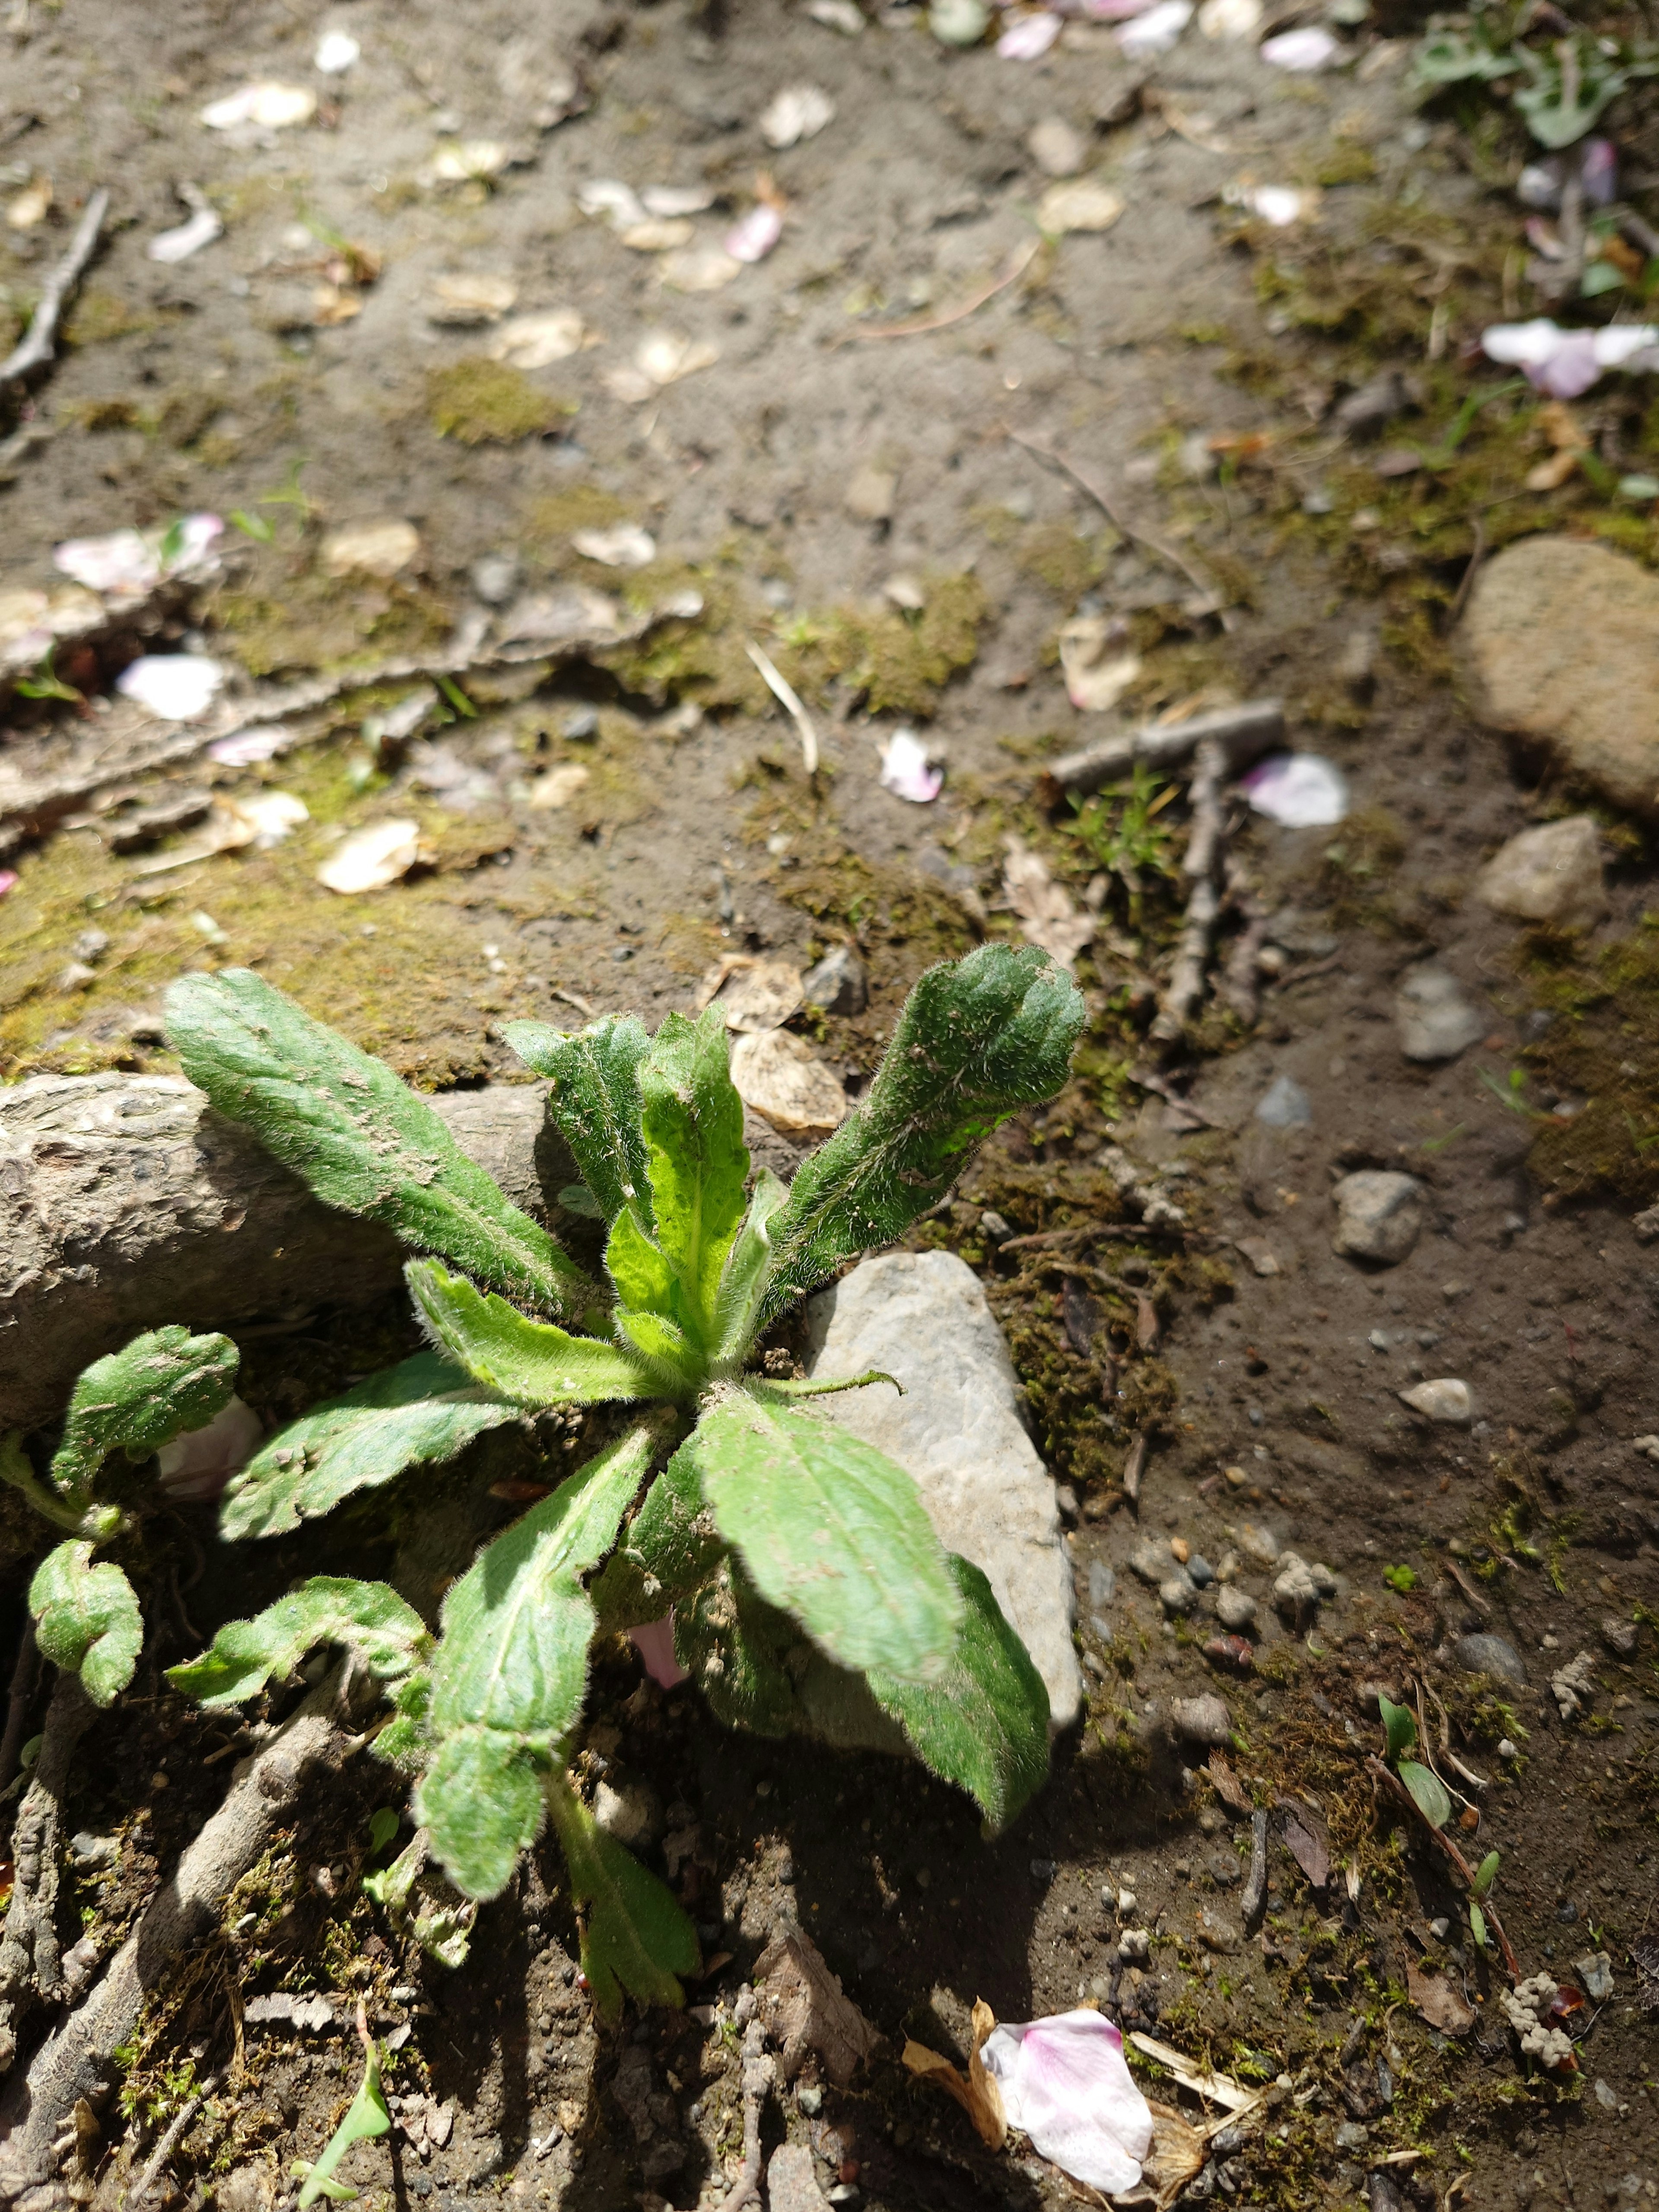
[
  {"x": 1485, "y": 1654},
  {"x": 1379, "y": 1216}
]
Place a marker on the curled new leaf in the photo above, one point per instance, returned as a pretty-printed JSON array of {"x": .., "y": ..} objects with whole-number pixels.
[
  {"x": 978, "y": 1038},
  {"x": 530, "y": 1362},
  {"x": 160, "y": 1385},
  {"x": 1398, "y": 1727},
  {"x": 368, "y": 1618},
  {"x": 634, "y": 1936},
  {"x": 87, "y": 1619},
  {"x": 361, "y": 1139},
  {"x": 692, "y": 1119},
  {"x": 596, "y": 1104}
]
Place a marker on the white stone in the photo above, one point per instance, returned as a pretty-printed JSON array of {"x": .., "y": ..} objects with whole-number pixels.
[
  {"x": 1435, "y": 1020},
  {"x": 922, "y": 1317},
  {"x": 1235, "y": 1609},
  {"x": 1551, "y": 873},
  {"x": 1444, "y": 1398},
  {"x": 1379, "y": 1216}
]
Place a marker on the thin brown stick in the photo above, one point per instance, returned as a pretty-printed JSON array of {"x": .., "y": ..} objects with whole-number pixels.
[
  {"x": 1134, "y": 1467},
  {"x": 756, "y": 2081},
  {"x": 1476, "y": 555},
  {"x": 1168, "y": 554},
  {"x": 1392, "y": 1781},
  {"x": 1203, "y": 865},
  {"x": 1047, "y": 1239},
  {"x": 38, "y": 345},
  {"x": 170, "y": 2141},
  {"x": 1246, "y": 731},
  {"x": 1013, "y": 269}
]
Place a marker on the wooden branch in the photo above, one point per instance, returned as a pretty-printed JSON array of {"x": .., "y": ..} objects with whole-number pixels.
[
  {"x": 38, "y": 345},
  {"x": 1245, "y": 731},
  {"x": 1202, "y": 865}
]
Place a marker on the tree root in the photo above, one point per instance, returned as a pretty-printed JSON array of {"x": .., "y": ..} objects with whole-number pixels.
[
  {"x": 77, "y": 2061},
  {"x": 756, "y": 2081},
  {"x": 31, "y": 1958}
]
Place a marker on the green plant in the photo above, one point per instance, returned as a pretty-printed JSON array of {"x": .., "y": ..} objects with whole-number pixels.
[
  {"x": 366, "y": 2118},
  {"x": 47, "y": 684},
  {"x": 1428, "y": 1792},
  {"x": 1400, "y": 1579},
  {"x": 1560, "y": 92},
  {"x": 793, "y": 1565},
  {"x": 1120, "y": 830}
]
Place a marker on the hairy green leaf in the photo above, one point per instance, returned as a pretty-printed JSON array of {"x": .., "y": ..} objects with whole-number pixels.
[
  {"x": 985, "y": 1726},
  {"x": 367, "y": 2116},
  {"x": 670, "y": 1550},
  {"x": 831, "y": 1531},
  {"x": 87, "y": 1618},
  {"x": 640, "y": 1270},
  {"x": 1428, "y": 1793},
  {"x": 692, "y": 1119},
  {"x": 361, "y": 1139},
  {"x": 634, "y": 1936},
  {"x": 510, "y": 1672},
  {"x": 734, "y": 1646},
  {"x": 160, "y": 1386},
  {"x": 744, "y": 1280},
  {"x": 1399, "y": 1728},
  {"x": 368, "y": 1618},
  {"x": 423, "y": 1409},
  {"x": 978, "y": 1038},
  {"x": 596, "y": 1102},
  {"x": 531, "y": 1361}
]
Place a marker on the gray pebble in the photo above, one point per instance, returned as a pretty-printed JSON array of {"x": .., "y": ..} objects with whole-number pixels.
[
  {"x": 1490, "y": 1655},
  {"x": 1284, "y": 1105},
  {"x": 1235, "y": 1608}
]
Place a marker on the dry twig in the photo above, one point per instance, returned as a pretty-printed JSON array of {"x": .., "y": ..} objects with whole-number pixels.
[
  {"x": 1017, "y": 262},
  {"x": 1203, "y": 867},
  {"x": 1245, "y": 729},
  {"x": 170, "y": 2141},
  {"x": 1168, "y": 554},
  {"x": 38, "y": 345}
]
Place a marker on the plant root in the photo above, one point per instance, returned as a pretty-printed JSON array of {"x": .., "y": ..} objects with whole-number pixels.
[{"x": 31, "y": 1958}]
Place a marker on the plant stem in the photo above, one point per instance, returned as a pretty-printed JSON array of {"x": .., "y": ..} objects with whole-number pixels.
[{"x": 1393, "y": 1782}]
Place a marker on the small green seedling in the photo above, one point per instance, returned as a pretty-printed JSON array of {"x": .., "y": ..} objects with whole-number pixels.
[
  {"x": 1400, "y": 1579},
  {"x": 47, "y": 684},
  {"x": 161, "y": 1385},
  {"x": 366, "y": 2118},
  {"x": 1484, "y": 1874},
  {"x": 1428, "y": 1793},
  {"x": 794, "y": 1567}
]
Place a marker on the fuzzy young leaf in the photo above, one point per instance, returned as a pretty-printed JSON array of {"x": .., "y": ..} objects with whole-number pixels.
[
  {"x": 136, "y": 1400},
  {"x": 509, "y": 1676},
  {"x": 596, "y": 1102},
  {"x": 1477, "y": 1924},
  {"x": 423, "y": 1409},
  {"x": 985, "y": 1726},
  {"x": 670, "y": 1550},
  {"x": 747, "y": 1271},
  {"x": 87, "y": 1619},
  {"x": 831, "y": 1531},
  {"x": 531, "y": 1361},
  {"x": 692, "y": 1119},
  {"x": 1428, "y": 1793},
  {"x": 1486, "y": 1873},
  {"x": 361, "y": 1139},
  {"x": 368, "y": 1618},
  {"x": 978, "y": 1038},
  {"x": 634, "y": 1936},
  {"x": 734, "y": 1646},
  {"x": 1399, "y": 1728},
  {"x": 367, "y": 2116}
]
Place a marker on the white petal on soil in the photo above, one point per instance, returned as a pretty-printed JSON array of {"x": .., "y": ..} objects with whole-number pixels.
[
  {"x": 177, "y": 686},
  {"x": 122, "y": 563},
  {"x": 470, "y": 161},
  {"x": 272, "y": 815},
  {"x": 836, "y": 15},
  {"x": 1028, "y": 37},
  {"x": 559, "y": 785},
  {"x": 189, "y": 238},
  {"x": 372, "y": 858},
  {"x": 1080, "y": 203},
  {"x": 194, "y": 1468},
  {"x": 779, "y": 1078},
  {"x": 537, "y": 341},
  {"x": 30, "y": 206},
  {"x": 1312, "y": 47},
  {"x": 754, "y": 235},
  {"x": 1097, "y": 665},
  {"x": 245, "y": 748},
  {"x": 1300, "y": 790},
  {"x": 337, "y": 51},
  {"x": 1064, "y": 2082},
  {"x": 1278, "y": 204},
  {"x": 1047, "y": 916},
  {"x": 665, "y": 356},
  {"x": 468, "y": 296},
  {"x": 1157, "y": 31},
  {"x": 700, "y": 269},
  {"x": 798, "y": 112},
  {"x": 371, "y": 548},
  {"x": 656, "y": 234},
  {"x": 677, "y": 199},
  {"x": 269, "y": 105},
  {"x": 1230, "y": 19},
  {"x": 194, "y": 538},
  {"x": 626, "y": 546},
  {"x": 906, "y": 770},
  {"x": 607, "y": 199}
]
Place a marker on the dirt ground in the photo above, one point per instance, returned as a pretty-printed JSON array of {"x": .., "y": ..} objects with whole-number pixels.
[{"x": 1185, "y": 360}]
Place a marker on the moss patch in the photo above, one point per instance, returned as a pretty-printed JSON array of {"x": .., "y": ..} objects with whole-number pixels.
[
  {"x": 1603, "y": 1048},
  {"x": 479, "y": 402},
  {"x": 897, "y": 663}
]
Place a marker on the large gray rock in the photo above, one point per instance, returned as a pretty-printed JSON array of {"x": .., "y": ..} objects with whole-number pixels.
[
  {"x": 922, "y": 1317},
  {"x": 1551, "y": 873},
  {"x": 125, "y": 1202},
  {"x": 1379, "y": 1216},
  {"x": 1562, "y": 640}
]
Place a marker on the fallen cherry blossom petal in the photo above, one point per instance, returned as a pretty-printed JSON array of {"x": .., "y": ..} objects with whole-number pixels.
[
  {"x": 194, "y": 1468},
  {"x": 786, "y": 1084},
  {"x": 1157, "y": 31},
  {"x": 1082, "y": 202},
  {"x": 272, "y": 815},
  {"x": 607, "y": 199},
  {"x": 373, "y": 859},
  {"x": 192, "y": 539},
  {"x": 1312, "y": 47},
  {"x": 537, "y": 341},
  {"x": 1230, "y": 19},
  {"x": 271, "y": 105},
  {"x": 8, "y": 880},
  {"x": 470, "y": 161},
  {"x": 1029, "y": 38},
  {"x": 1300, "y": 790},
  {"x": 754, "y": 235},
  {"x": 626, "y": 546},
  {"x": 677, "y": 199},
  {"x": 654, "y": 1642},
  {"x": 1564, "y": 363},
  {"x": 798, "y": 112},
  {"x": 245, "y": 748},
  {"x": 906, "y": 770},
  {"x": 1064, "y": 2082},
  {"x": 656, "y": 234},
  {"x": 176, "y": 686},
  {"x": 1278, "y": 204},
  {"x": 699, "y": 268},
  {"x": 371, "y": 548},
  {"x": 124, "y": 563},
  {"x": 337, "y": 51}
]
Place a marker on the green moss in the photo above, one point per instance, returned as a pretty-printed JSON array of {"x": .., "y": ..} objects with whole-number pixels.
[
  {"x": 1345, "y": 163},
  {"x": 702, "y": 659},
  {"x": 548, "y": 523},
  {"x": 897, "y": 663},
  {"x": 1063, "y": 560},
  {"x": 1603, "y": 1048},
  {"x": 284, "y": 619},
  {"x": 481, "y": 402}
]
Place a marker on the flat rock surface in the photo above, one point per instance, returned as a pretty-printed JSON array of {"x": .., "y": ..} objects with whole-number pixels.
[
  {"x": 1563, "y": 643},
  {"x": 922, "y": 1317}
]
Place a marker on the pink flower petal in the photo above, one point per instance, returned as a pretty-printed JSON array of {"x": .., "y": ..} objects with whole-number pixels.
[
  {"x": 194, "y": 1468},
  {"x": 754, "y": 235},
  {"x": 8, "y": 880},
  {"x": 122, "y": 562},
  {"x": 654, "y": 1640},
  {"x": 1298, "y": 789},
  {"x": 1570, "y": 369},
  {"x": 1028, "y": 36},
  {"x": 906, "y": 770},
  {"x": 1064, "y": 2082}
]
